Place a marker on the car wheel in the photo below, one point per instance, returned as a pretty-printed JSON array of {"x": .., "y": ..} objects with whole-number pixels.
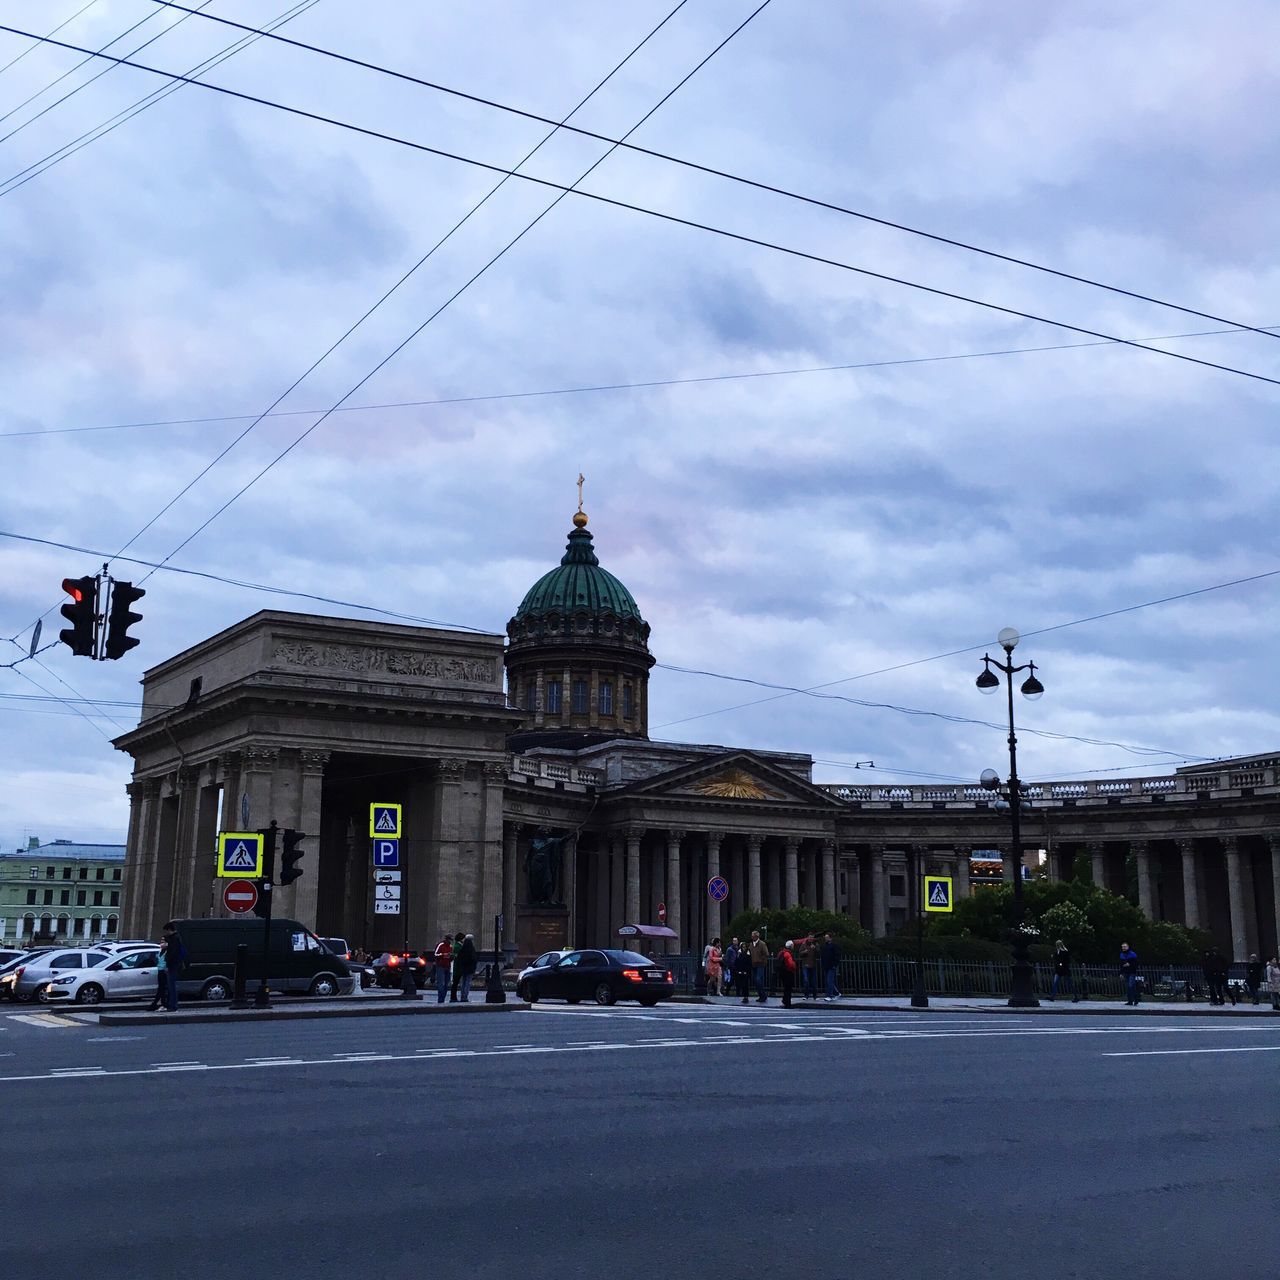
[
  {"x": 90, "y": 993},
  {"x": 22, "y": 996},
  {"x": 604, "y": 994},
  {"x": 531, "y": 993},
  {"x": 216, "y": 989},
  {"x": 324, "y": 984},
  {"x": 42, "y": 993}
]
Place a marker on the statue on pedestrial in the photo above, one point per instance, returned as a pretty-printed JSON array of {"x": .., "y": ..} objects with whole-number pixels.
[{"x": 542, "y": 867}]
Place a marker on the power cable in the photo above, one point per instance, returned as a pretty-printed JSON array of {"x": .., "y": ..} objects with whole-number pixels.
[
  {"x": 647, "y": 384},
  {"x": 730, "y": 177},
  {"x": 457, "y": 293},
  {"x": 693, "y": 224},
  {"x": 68, "y": 149},
  {"x": 31, "y": 48}
]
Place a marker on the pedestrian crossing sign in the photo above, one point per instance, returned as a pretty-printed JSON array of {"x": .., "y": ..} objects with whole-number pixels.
[
  {"x": 937, "y": 893},
  {"x": 240, "y": 854},
  {"x": 384, "y": 821}
]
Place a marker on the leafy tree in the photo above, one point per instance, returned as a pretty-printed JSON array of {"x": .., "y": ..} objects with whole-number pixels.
[
  {"x": 1065, "y": 920},
  {"x": 799, "y": 922}
]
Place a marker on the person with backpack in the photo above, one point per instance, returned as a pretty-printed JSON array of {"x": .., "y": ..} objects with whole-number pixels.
[
  {"x": 1129, "y": 972},
  {"x": 787, "y": 972},
  {"x": 444, "y": 962},
  {"x": 175, "y": 955},
  {"x": 1253, "y": 977},
  {"x": 831, "y": 965},
  {"x": 742, "y": 973},
  {"x": 759, "y": 965},
  {"x": 1215, "y": 968},
  {"x": 458, "y": 939},
  {"x": 727, "y": 962}
]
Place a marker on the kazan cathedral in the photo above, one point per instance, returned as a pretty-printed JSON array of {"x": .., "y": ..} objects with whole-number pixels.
[{"x": 531, "y": 793}]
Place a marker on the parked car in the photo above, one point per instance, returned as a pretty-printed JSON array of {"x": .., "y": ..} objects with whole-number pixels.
[
  {"x": 358, "y": 968},
  {"x": 129, "y": 944},
  {"x": 602, "y": 976},
  {"x": 389, "y": 967},
  {"x": 295, "y": 959},
  {"x": 9, "y": 967},
  {"x": 124, "y": 976},
  {"x": 7, "y": 956},
  {"x": 31, "y": 975}
]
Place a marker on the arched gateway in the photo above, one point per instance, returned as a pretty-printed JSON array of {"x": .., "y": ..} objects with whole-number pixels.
[{"x": 550, "y": 804}]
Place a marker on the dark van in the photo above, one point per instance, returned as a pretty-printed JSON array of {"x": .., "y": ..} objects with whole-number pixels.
[{"x": 296, "y": 960}]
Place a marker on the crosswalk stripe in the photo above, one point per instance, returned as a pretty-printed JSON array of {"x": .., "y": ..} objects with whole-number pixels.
[{"x": 45, "y": 1020}]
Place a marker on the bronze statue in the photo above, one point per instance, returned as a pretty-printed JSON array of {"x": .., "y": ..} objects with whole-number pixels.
[{"x": 542, "y": 867}]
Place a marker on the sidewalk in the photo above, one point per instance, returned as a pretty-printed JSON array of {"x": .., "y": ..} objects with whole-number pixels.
[{"x": 959, "y": 1004}]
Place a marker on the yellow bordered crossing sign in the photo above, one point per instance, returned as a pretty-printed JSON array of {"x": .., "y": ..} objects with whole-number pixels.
[
  {"x": 937, "y": 893},
  {"x": 384, "y": 821},
  {"x": 240, "y": 855}
]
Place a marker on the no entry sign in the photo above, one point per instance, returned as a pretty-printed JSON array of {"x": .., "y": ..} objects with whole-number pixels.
[{"x": 240, "y": 896}]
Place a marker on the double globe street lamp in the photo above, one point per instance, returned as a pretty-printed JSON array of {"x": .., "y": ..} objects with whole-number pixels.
[{"x": 1021, "y": 990}]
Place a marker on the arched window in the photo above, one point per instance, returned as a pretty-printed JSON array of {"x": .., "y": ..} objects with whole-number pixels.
[
  {"x": 64, "y": 925},
  {"x": 28, "y": 925},
  {"x": 46, "y": 925},
  {"x": 113, "y": 925},
  {"x": 606, "y": 697},
  {"x": 531, "y": 696}
]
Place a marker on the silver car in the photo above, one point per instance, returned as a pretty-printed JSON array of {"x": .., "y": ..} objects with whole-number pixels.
[
  {"x": 120, "y": 977},
  {"x": 31, "y": 978}
]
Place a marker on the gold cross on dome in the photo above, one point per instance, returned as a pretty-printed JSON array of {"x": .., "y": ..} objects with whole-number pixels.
[{"x": 581, "y": 481}]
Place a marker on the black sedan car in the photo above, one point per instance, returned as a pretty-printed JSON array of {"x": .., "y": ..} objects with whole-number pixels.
[
  {"x": 388, "y": 969},
  {"x": 602, "y": 976}
]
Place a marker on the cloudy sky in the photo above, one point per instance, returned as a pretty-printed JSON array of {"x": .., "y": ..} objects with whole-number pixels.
[{"x": 797, "y": 529}]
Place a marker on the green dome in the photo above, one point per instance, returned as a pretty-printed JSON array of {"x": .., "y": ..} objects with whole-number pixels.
[{"x": 578, "y": 583}]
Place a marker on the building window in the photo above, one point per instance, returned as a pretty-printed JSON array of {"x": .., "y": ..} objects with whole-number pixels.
[
  {"x": 115, "y": 873},
  {"x": 606, "y": 697},
  {"x": 84, "y": 873},
  {"x": 97, "y": 897},
  {"x": 113, "y": 923},
  {"x": 48, "y": 873},
  {"x": 581, "y": 697},
  {"x": 48, "y": 898},
  {"x": 628, "y": 702},
  {"x": 35, "y": 873},
  {"x": 531, "y": 697},
  {"x": 64, "y": 898},
  {"x": 100, "y": 874},
  {"x": 79, "y": 897},
  {"x": 897, "y": 886},
  {"x": 66, "y": 873},
  {"x": 553, "y": 697},
  {"x": 115, "y": 898},
  {"x": 31, "y": 897}
]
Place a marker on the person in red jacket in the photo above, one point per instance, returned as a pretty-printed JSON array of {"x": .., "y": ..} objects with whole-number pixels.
[
  {"x": 444, "y": 961},
  {"x": 787, "y": 972}
]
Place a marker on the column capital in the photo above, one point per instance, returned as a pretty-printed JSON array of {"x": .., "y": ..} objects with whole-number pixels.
[
  {"x": 495, "y": 772},
  {"x": 633, "y": 834},
  {"x": 1186, "y": 844},
  {"x": 313, "y": 761},
  {"x": 754, "y": 843},
  {"x": 135, "y": 788},
  {"x": 792, "y": 843},
  {"x": 715, "y": 839},
  {"x": 450, "y": 769},
  {"x": 829, "y": 845},
  {"x": 1230, "y": 844},
  {"x": 260, "y": 759},
  {"x": 187, "y": 775},
  {"x": 1096, "y": 846}
]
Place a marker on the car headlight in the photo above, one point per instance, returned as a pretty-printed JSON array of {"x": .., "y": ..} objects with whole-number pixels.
[{"x": 64, "y": 977}]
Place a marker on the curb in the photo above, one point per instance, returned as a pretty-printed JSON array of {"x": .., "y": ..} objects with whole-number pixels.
[
  {"x": 1084, "y": 1009},
  {"x": 220, "y": 1016}
]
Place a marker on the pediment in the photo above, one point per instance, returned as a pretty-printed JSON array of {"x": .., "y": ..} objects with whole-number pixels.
[{"x": 733, "y": 779}]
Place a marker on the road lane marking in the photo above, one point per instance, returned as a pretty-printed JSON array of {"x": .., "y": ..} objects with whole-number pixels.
[
  {"x": 45, "y": 1020},
  {"x": 109, "y": 1039},
  {"x": 1165, "y": 1053}
]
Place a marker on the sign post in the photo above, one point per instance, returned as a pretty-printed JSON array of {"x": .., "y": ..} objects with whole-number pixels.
[{"x": 385, "y": 831}]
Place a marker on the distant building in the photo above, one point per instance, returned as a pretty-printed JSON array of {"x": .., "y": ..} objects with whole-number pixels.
[{"x": 61, "y": 891}]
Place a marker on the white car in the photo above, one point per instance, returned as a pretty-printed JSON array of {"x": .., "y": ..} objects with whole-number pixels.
[{"x": 123, "y": 977}]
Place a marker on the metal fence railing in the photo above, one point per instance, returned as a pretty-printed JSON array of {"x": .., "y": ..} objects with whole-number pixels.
[{"x": 892, "y": 975}]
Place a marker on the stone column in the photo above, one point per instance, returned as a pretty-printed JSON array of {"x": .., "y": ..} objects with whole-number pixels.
[
  {"x": 146, "y": 869},
  {"x": 962, "y": 888},
  {"x": 1273, "y": 843},
  {"x": 1098, "y": 857},
  {"x": 493, "y": 782},
  {"x": 134, "y": 790},
  {"x": 306, "y": 889},
  {"x": 853, "y": 882},
  {"x": 879, "y": 894},
  {"x": 1190, "y": 883},
  {"x": 675, "y": 891},
  {"x": 1146, "y": 884},
  {"x": 791, "y": 896},
  {"x": 203, "y": 896},
  {"x": 510, "y": 878},
  {"x": 258, "y": 764},
  {"x": 569, "y": 880},
  {"x": 714, "y": 913},
  {"x": 753, "y": 872},
  {"x": 631, "y": 901},
  {"x": 1237, "y": 898},
  {"x": 432, "y": 881},
  {"x": 184, "y": 851},
  {"x": 812, "y": 879},
  {"x": 829, "y": 876}
]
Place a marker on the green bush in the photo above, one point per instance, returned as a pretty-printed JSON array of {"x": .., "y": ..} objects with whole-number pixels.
[{"x": 798, "y": 922}]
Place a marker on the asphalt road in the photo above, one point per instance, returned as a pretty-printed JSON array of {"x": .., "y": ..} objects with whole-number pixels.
[{"x": 686, "y": 1141}]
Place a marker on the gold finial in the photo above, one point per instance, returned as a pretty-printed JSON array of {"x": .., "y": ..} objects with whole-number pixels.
[{"x": 580, "y": 518}]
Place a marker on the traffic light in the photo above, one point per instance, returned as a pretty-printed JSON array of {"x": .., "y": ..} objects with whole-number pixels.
[
  {"x": 123, "y": 596},
  {"x": 82, "y": 614},
  {"x": 262, "y": 908},
  {"x": 290, "y": 856}
]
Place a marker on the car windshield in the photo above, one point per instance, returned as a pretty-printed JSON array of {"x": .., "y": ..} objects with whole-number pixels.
[{"x": 631, "y": 958}]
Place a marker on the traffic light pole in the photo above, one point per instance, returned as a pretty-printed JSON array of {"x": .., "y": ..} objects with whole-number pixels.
[{"x": 262, "y": 999}]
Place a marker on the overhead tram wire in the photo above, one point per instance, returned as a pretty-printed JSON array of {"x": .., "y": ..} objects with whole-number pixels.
[
  {"x": 112, "y": 123},
  {"x": 404, "y": 617},
  {"x": 647, "y": 384},
  {"x": 401, "y": 281},
  {"x": 457, "y": 293},
  {"x": 31, "y": 48},
  {"x": 90, "y": 55},
  {"x": 712, "y": 171},
  {"x": 674, "y": 219}
]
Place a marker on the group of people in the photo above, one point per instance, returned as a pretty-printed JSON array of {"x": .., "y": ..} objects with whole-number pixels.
[
  {"x": 454, "y": 967},
  {"x": 169, "y": 964},
  {"x": 746, "y": 964},
  {"x": 1215, "y": 967}
]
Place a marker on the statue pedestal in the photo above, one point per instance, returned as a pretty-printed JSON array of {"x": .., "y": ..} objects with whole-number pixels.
[{"x": 540, "y": 928}]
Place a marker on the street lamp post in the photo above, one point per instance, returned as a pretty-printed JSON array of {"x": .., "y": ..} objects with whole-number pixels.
[{"x": 1021, "y": 990}]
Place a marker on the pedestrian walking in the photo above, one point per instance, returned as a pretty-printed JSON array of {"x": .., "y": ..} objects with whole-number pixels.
[
  {"x": 831, "y": 965},
  {"x": 175, "y": 954},
  {"x": 808, "y": 953},
  {"x": 467, "y": 958},
  {"x": 759, "y": 965},
  {"x": 715, "y": 959},
  {"x": 742, "y": 973},
  {"x": 1253, "y": 977},
  {"x": 1129, "y": 972},
  {"x": 456, "y": 980},
  {"x": 444, "y": 962},
  {"x": 727, "y": 963},
  {"x": 1273, "y": 982},
  {"x": 161, "y": 996},
  {"x": 787, "y": 972},
  {"x": 1215, "y": 975},
  {"x": 1062, "y": 972}
]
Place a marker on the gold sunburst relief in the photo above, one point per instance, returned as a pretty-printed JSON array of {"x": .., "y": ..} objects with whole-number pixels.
[{"x": 735, "y": 784}]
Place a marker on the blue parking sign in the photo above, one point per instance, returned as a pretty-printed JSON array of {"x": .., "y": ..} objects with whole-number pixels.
[{"x": 386, "y": 853}]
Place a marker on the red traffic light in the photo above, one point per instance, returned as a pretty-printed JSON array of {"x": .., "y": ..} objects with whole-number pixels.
[
  {"x": 81, "y": 636},
  {"x": 72, "y": 587}
]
